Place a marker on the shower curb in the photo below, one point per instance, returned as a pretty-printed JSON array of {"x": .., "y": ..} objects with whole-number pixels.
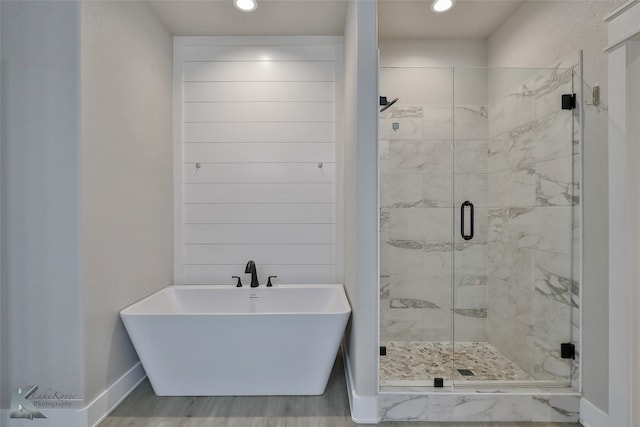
[{"x": 479, "y": 406}]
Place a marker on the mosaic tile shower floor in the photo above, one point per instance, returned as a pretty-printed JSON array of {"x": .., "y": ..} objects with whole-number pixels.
[{"x": 418, "y": 363}]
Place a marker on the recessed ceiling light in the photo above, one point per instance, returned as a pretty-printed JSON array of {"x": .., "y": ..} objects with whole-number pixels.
[
  {"x": 246, "y": 5},
  {"x": 439, "y": 6}
]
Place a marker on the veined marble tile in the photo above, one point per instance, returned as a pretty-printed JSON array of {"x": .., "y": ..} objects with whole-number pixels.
[
  {"x": 548, "y": 365},
  {"x": 402, "y": 112},
  {"x": 403, "y": 303},
  {"x": 482, "y": 408},
  {"x": 544, "y": 139},
  {"x": 575, "y": 371},
  {"x": 384, "y": 224},
  {"x": 470, "y": 324},
  {"x": 471, "y": 297},
  {"x": 498, "y": 153},
  {"x": 420, "y": 156},
  {"x": 509, "y": 265},
  {"x": 475, "y": 313},
  {"x": 383, "y": 155},
  {"x": 385, "y": 282},
  {"x": 509, "y": 324},
  {"x": 577, "y": 179},
  {"x": 553, "y": 278},
  {"x": 555, "y": 184},
  {"x": 478, "y": 407},
  {"x": 404, "y": 407},
  {"x": 511, "y": 110},
  {"x": 515, "y": 304},
  {"x": 544, "y": 228},
  {"x": 437, "y": 122},
  {"x": 549, "y": 86},
  {"x": 401, "y": 256},
  {"x": 447, "y": 407},
  {"x": 471, "y": 156},
  {"x": 437, "y": 258},
  {"x": 415, "y": 324},
  {"x": 552, "y": 327},
  {"x": 401, "y": 190},
  {"x": 551, "y": 83},
  {"x": 434, "y": 290},
  {"x": 424, "y": 224},
  {"x": 438, "y": 190},
  {"x": 470, "y": 258},
  {"x": 555, "y": 408},
  {"x": 470, "y": 280},
  {"x": 471, "y": 187},
  {"x": 512, "y": 188},
  {"x": 542, "y": 184},
  {"x": 470, "y": 122},
  {"x": 402, "y": 126}
]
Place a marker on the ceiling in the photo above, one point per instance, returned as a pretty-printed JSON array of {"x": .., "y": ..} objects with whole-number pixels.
[
  {"x": 271, "y": 18},
  {"x": 401, "y": 19},
  {"x": 397, "y": 18}
]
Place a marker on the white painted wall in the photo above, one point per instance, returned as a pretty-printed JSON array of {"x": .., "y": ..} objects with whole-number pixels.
[
  {"x": 463, "y": 53},
  {"x": 634, "y": 131},
  {"x": 258, "y": 118},
  {"x": 126, "y": 176},
  {"x": 86, "y": 192},
  {"x": 361, "y": 205},
  {"x": 536, "y": 35},
  {"x": 42, "y": 337}
]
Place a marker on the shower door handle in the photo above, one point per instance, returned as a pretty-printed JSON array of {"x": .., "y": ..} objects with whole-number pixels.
[{"x": 462, "y": 224}]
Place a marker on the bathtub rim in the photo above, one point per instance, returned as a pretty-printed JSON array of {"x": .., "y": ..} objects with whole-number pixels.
[{"x": 129, "y": 310}]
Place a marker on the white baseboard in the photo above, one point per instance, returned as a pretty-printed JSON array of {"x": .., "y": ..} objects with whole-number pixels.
[
  {"x": 364, "y": 409},
  {"x": 90, "y": 415},
  {"x": 590, "y": 416},
  {"x": 109, "y": 399}
]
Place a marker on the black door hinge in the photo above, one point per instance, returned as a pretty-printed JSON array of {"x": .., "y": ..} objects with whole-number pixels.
[
  {"x": 568, "y": 101},
  {"x": 567, "y": 350}
]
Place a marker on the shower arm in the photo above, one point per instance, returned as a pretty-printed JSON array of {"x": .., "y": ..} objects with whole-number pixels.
[{"x": 388, "y": 104}]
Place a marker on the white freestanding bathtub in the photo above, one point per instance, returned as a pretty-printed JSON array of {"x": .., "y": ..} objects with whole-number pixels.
[{"x": 219, "y": 340}]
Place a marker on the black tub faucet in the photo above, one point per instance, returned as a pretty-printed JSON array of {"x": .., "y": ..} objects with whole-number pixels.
[{"x": 251, "y": 268}]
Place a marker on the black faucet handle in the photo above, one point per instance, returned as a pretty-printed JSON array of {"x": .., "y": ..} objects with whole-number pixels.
[
  {"x": 269, "y": 281},
  {"x": 239, "y": 284}
]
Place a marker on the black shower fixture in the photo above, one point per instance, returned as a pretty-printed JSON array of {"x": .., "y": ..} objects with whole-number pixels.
[{"x": 386, "y": 104}]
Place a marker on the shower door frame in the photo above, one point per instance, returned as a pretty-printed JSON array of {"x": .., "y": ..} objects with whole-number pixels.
[{"x": 576, "y": 272}]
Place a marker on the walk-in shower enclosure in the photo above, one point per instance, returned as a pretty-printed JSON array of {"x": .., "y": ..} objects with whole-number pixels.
[{"x": 480, "y": 175}]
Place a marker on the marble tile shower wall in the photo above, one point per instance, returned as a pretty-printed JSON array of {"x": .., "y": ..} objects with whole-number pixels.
[
  {"x": 532, "y": 192},
  {"x": 417, "y": 197}
]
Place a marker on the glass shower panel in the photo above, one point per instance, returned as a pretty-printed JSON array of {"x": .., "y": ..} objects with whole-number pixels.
[
  {"x": 416, "y": 202},
  {"x": 514, "y": 196}
]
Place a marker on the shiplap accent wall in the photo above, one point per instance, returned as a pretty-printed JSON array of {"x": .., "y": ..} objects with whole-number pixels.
[{"x": 257, "y": 115}]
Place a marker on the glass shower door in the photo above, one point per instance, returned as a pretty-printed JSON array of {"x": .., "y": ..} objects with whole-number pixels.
[
  {"x": 514, "y": 292},
  {"x": 416, "y": 199}
]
